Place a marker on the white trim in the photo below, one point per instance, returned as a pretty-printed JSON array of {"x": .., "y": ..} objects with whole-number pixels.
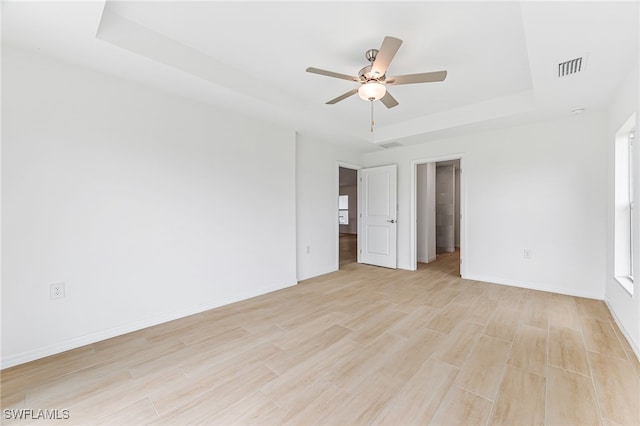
[
  {"x": 348, "y": 165},
  {"x": 413, "y": 227},
  {"x": 425, "y": 260},
  {"x": 626, "y": 283},
  {"x": 635, "y": 348},
  {"x": 77, "y": 342}
]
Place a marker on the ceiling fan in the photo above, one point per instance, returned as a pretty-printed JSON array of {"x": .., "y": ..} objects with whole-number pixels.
[{"x": 373, "y": 79}]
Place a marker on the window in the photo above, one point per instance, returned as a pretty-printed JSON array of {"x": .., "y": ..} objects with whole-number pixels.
[{"x": 624, "y": 205}]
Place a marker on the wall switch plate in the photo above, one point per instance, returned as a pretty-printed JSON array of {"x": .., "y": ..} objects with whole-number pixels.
[
  {"x": 528, "y": 254},
  {"x": 56, "y": 291}
]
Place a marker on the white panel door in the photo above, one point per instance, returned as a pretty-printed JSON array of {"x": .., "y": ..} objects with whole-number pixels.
[{"x": 377, "y": 207}]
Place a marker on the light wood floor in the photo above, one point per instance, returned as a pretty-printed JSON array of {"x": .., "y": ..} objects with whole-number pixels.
[
  {"x": 363, "y": 345},
  {"x": 348, "y": 244}
]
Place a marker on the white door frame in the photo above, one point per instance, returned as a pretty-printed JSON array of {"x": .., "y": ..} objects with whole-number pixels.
[
  {"x": 337, "y": 193},
  {"x": 413, "y": 225}
]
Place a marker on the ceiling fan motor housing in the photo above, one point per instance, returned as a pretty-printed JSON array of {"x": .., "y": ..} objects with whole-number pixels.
[
  {"x": 365, "y": 73},
  {"x": 371, "y": 55}
]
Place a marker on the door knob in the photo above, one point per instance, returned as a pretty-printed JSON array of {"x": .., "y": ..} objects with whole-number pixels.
[{"x": 391, "y": 221}]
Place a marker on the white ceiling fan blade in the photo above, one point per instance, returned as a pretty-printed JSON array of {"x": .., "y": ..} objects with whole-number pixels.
[
  {"x": 388, "y": 50},
  {"x": 425, "y": 77},
  {"x": 388, "y": 100},
  {"x": 332, "y": 74},
  {"x": 342, "y": 97}
]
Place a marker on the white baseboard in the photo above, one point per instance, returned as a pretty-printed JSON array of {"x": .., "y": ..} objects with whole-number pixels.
[
  {"x": 76, "y": 342},
  {"x": 314, "y": 274},
  {"x": 636, "y": 351},
  {"x": 534, "y": 286}
]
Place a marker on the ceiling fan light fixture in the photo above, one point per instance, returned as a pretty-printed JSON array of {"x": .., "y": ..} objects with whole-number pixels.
[{"x": 372, "y": 91}]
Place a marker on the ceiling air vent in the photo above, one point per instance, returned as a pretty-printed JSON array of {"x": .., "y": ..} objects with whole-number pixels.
[
  {"x": 571, "y": 66},
  {"x": 390, "y": 145}
]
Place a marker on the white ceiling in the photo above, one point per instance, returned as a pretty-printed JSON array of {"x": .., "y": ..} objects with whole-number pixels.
[{"x": 250, "y": 57}]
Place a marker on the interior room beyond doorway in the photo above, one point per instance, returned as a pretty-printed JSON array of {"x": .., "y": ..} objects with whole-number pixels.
[
  {"x": 438, "y": 210},
  {"x": 347, "y": 216}
]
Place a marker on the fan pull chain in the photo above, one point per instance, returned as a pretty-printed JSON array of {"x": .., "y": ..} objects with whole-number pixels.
[{"x": 372, "y": 122}]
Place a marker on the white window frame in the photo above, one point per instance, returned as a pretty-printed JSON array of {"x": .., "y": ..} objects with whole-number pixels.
[{"x": 624, "y": 205}]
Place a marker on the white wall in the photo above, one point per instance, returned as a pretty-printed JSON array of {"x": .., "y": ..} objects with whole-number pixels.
[
  {"x": 148, "y": 206},
  {"x": 626, "y": 308},
  {"x": 317, "y": 203},
  {"x": 540, "y": 186}
]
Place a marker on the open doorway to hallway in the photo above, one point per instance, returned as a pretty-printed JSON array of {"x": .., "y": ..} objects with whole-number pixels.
[
  {"x": 447, "y": 206},
  {"x": 438, "y": 212},
  {"x": 347, "y": 216}
]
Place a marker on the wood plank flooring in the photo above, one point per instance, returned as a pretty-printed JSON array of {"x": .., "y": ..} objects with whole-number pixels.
[
  {"x": 348, "y": 249},
  {"x": 363, "y": 345}
]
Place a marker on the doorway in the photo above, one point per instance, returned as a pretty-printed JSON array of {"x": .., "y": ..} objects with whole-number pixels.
[
  {"x": 438, "y": 205},
  {"x": 447, "y": 213},
  {"x": 347, "y": 216}
]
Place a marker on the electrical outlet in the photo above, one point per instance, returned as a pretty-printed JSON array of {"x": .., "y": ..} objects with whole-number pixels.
[
  {"x": 308, "y": 249},
  {"x": 56, "y": 291},
  {"x": 528, "y": 254}
]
